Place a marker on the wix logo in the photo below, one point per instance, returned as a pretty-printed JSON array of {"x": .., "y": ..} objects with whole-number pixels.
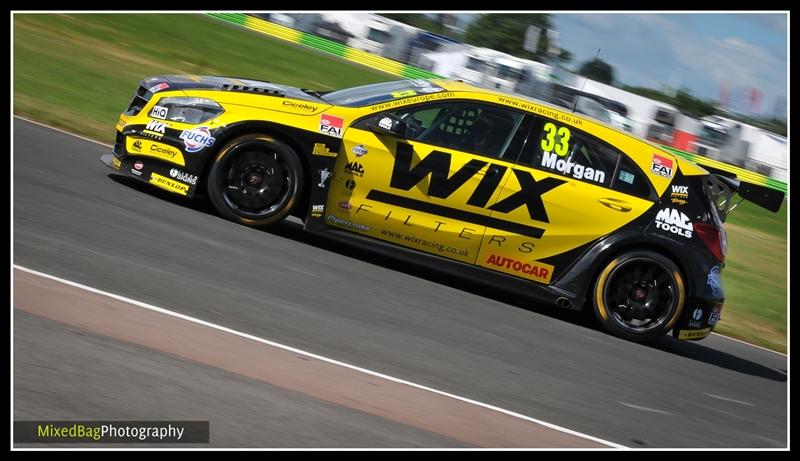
[
  {"x": 436, "y": 168},
  {"x": 680, "y": 195},
  {"x": 156, "y": 126}
]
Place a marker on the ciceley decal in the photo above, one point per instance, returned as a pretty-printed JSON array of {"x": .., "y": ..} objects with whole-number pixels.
[{"x": 437, "y": 164}]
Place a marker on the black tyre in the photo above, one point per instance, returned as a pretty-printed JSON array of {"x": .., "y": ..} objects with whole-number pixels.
[
  {"x": 255, "y": 180},
  {"x": 639, "y": 295}
]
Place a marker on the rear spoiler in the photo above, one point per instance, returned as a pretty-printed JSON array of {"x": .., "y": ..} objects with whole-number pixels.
[{"x": 721, "y": 186}]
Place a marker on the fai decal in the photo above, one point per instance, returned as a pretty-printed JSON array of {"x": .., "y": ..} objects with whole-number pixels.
[
  {"x": 159, "y": 87},
  {"x": 661, "y": 166},
  {"x": 331, "y": 125}
]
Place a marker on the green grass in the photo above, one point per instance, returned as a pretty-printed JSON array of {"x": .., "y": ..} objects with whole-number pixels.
[
  {"x": 79, "y": 72},
  {"x": 755, "y": 277}
]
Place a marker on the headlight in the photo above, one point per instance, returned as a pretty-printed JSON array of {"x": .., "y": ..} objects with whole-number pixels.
[{"x": 186, "y": 110}]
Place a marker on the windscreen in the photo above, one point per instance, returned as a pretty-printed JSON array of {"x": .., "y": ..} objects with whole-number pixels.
[{"x": 377, "y": 93}]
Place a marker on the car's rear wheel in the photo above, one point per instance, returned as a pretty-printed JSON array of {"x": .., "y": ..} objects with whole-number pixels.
[
  {"x": 639, "y": 295},
  {"x": 255, "y": 180}
]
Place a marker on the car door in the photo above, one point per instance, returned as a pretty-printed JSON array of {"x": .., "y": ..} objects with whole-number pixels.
[
  {"x": 572, "y": 187},
  {"x": 430, "y": 188}
]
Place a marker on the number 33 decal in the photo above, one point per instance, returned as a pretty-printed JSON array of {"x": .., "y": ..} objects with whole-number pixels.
[{"x": 549, "y": 141}]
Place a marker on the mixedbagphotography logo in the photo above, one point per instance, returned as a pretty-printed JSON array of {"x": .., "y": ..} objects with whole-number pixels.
[{"x": 111, "y": 431}]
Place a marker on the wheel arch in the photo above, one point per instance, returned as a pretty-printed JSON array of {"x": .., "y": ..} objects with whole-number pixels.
[
  {"x": 292, "y": 137},
  {"x": 581, "y": 277}
]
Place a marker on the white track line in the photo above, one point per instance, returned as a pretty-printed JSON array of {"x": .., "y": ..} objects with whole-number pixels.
[
  {"x": 639, "y": 407},
  {"x": 727, "y": 399},
  {"x": 109, "y": 145},
  {"x": 314, "y": 356},
  {"x": 749, "y": 344}
]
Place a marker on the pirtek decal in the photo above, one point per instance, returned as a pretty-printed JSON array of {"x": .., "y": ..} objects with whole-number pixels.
[{"x": 437, "y": 165}]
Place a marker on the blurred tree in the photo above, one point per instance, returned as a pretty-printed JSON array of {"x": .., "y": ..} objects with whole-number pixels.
[
  {"x": 437, "y": 25},
  {"x": 565, "y": 57},
  {"x": 683, "y": 100},
  {"x": 506, "y": 33},
  {"x": 599, "y": 70}
]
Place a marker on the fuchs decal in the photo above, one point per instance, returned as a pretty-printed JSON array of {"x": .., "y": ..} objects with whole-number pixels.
[{"x": 197, "y": 139}]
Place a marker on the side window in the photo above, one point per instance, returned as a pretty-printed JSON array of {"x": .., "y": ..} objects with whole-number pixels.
[
  {"x": 631, "y": 180},
  {"x": 567, "y": 151},
  {"x": 475, "y": 128}
]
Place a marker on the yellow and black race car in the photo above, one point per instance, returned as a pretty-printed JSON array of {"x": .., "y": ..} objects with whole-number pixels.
[{"x": 540, "y": 200}]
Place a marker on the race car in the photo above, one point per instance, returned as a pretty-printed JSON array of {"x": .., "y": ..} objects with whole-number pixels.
[{"x": 512, "y": 191}]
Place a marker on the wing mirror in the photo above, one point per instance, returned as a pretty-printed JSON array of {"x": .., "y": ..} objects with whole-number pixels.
[{"x": 388, "y": 124}]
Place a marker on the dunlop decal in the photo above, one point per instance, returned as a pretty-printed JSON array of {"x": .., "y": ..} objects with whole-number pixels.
[{"x": 168, "y": 184}]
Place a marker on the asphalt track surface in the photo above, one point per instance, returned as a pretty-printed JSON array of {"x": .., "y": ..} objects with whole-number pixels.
[{"x": 73, "y": 220}]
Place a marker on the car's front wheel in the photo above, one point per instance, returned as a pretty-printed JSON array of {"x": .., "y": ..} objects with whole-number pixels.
[
  {"x": 639, "y": 295},
  {"x": 255, "y": 180}
]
